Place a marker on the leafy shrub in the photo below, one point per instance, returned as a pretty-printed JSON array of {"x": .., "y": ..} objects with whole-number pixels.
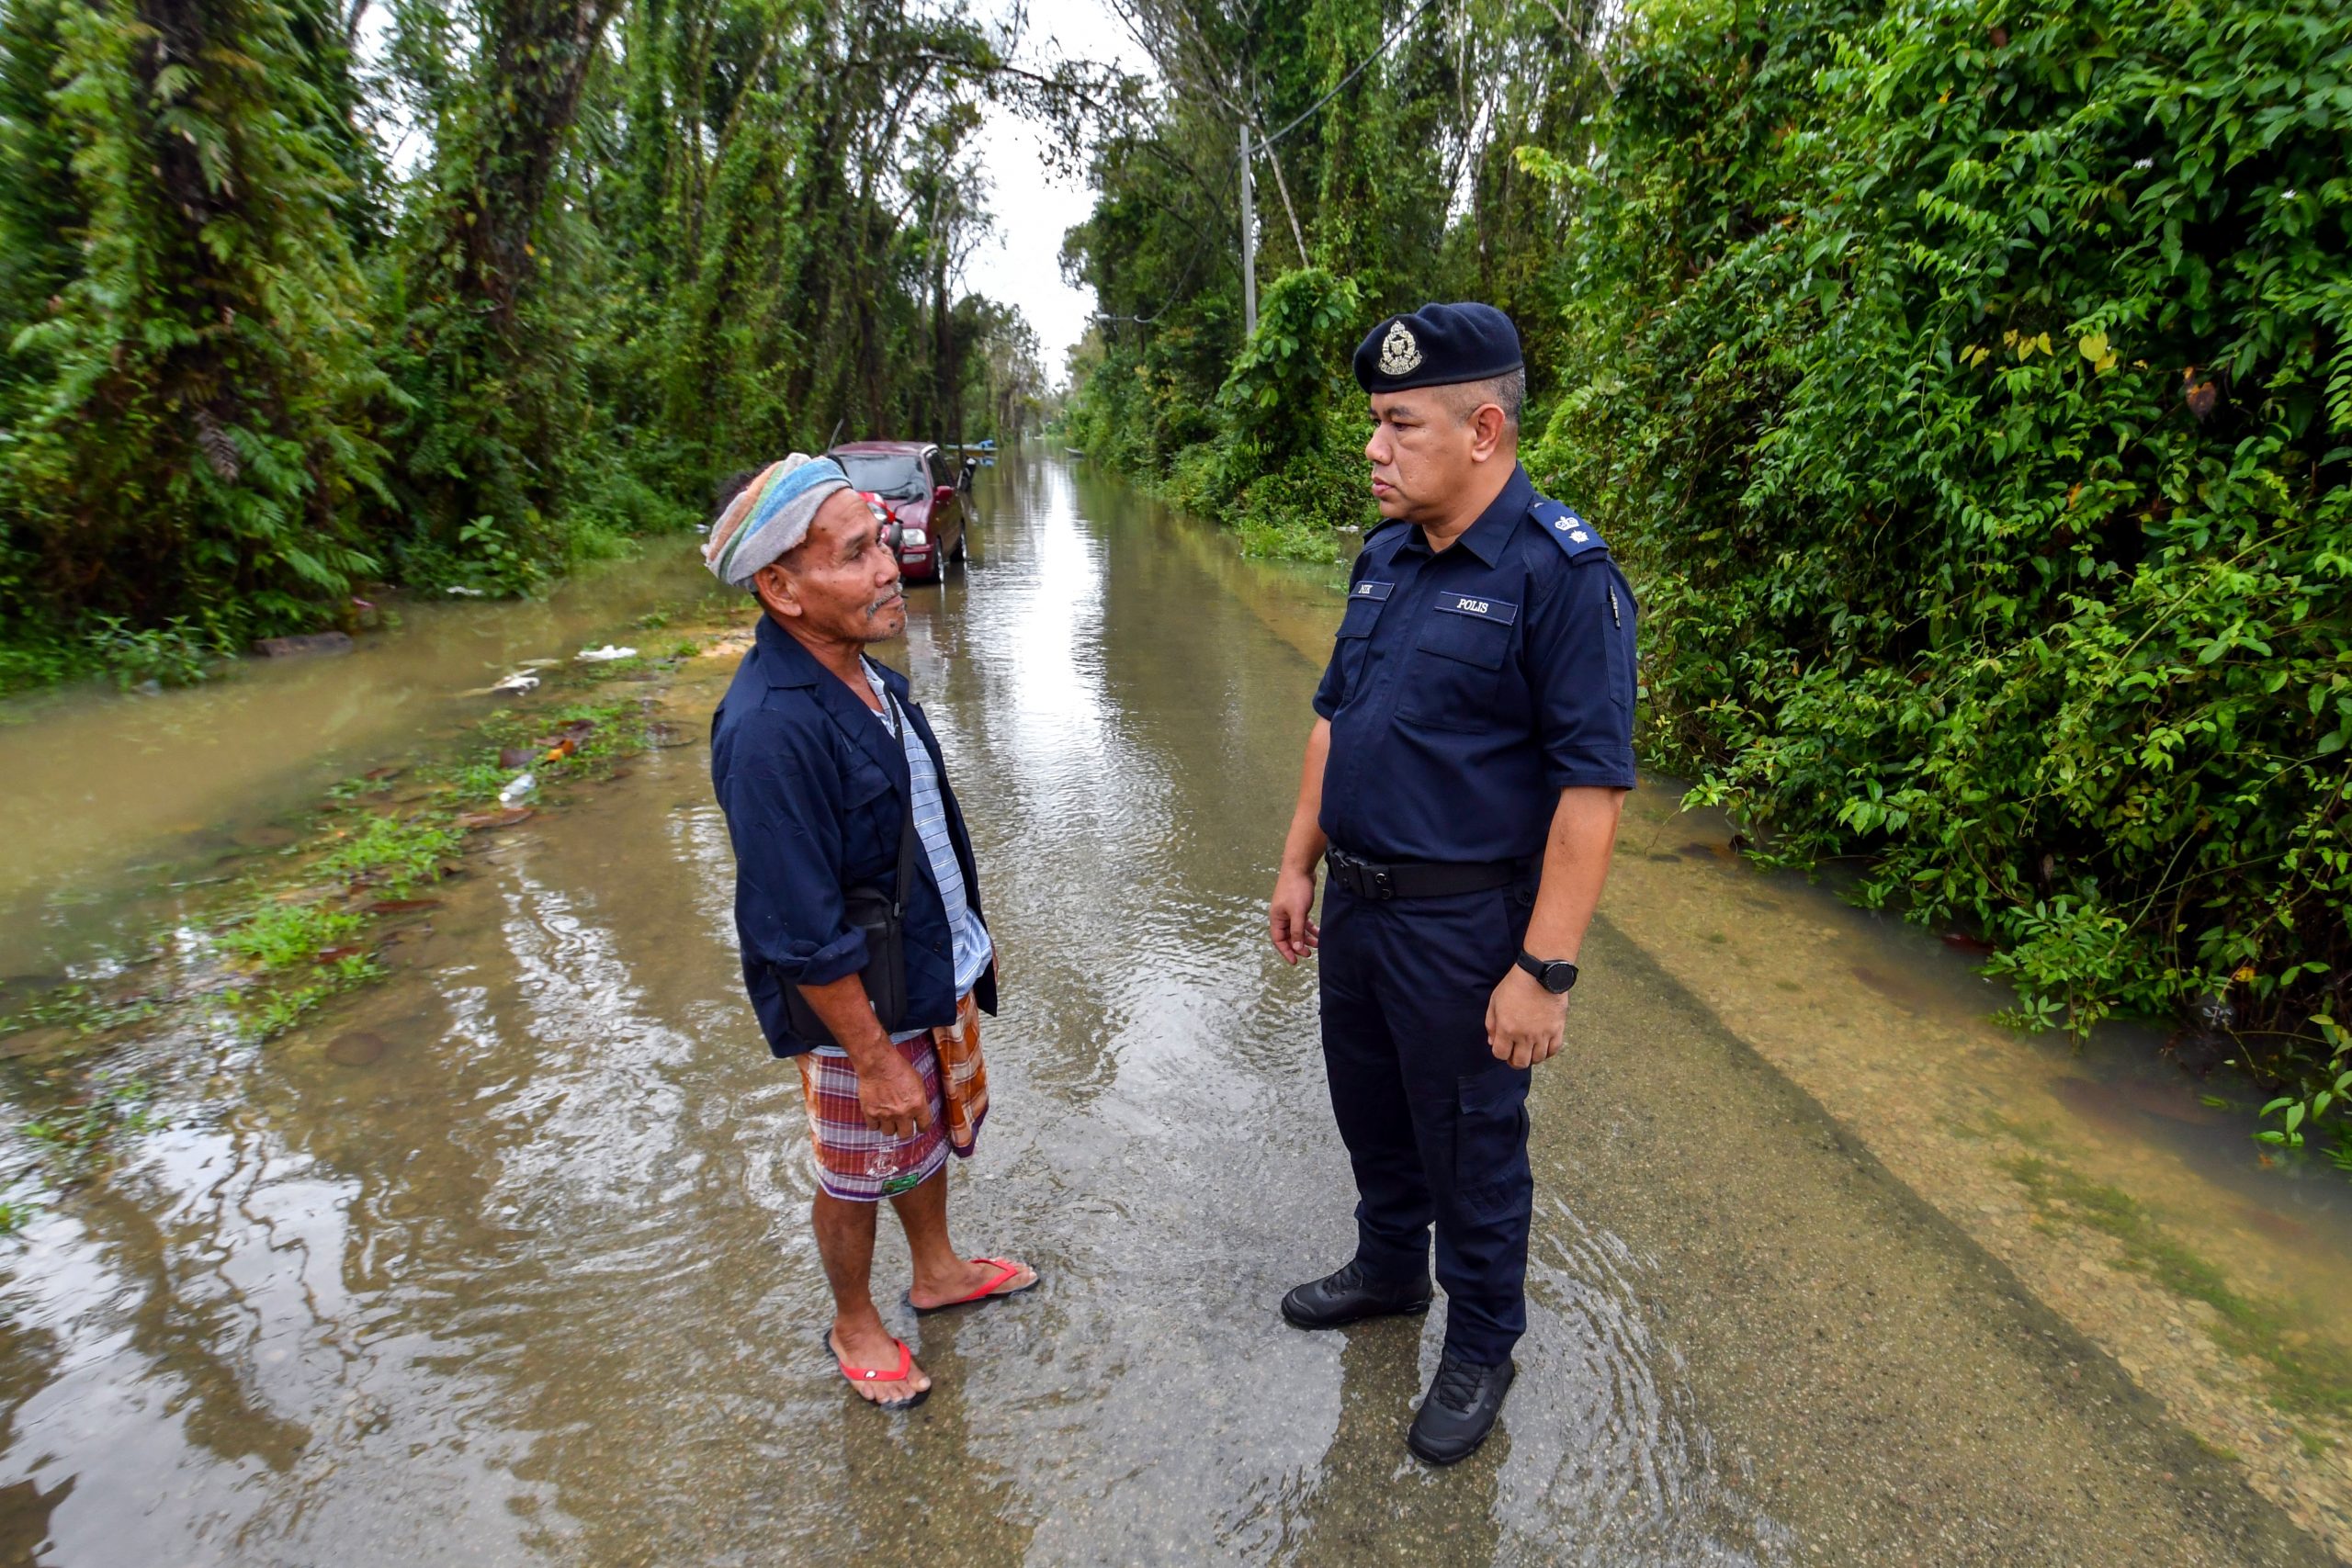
[
  {"x": 1972, "y": 387},
  {"x": 169, "y": 655},
  {"x": 1277, "y": 462}
]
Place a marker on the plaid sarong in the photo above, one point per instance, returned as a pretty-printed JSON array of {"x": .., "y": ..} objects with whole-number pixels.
[
  {"x": 963, "y": 1078},
  {"x": 859, "y": 1164}
]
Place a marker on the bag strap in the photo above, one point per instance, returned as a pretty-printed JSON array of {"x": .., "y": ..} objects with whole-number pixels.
[{"x": 906, "y": 818}]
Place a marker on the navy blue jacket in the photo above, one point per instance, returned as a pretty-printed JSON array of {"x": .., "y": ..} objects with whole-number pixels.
[
  {"x": 1468, "y": 687},
  {"x": 813, "y": 785}
]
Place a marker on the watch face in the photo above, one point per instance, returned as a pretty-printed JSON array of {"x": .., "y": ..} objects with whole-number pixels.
[{"x": 1558, "y": 977}]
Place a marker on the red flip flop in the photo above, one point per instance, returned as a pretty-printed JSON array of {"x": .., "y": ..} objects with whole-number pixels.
[
  {"x": 876, "y": 1374},
  {"x": 987, "y": 1292}
]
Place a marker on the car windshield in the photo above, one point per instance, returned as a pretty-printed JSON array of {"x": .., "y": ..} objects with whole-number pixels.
[{"x": 893, "y": 474}]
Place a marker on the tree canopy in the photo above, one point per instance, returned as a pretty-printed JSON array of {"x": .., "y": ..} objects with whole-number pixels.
[{"x": 457, "y": 293}]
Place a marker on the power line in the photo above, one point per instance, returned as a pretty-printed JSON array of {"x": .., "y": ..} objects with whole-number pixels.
[
  {"x": 1268, "y": 141},
  {"x": 1266, "y": 146}
]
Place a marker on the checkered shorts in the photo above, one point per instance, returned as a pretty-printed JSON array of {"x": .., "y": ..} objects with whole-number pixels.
[{"x": 848, "y": 1151}]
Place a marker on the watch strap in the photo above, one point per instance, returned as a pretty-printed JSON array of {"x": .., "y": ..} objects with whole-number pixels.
[{"x": 1544, "y": 968}]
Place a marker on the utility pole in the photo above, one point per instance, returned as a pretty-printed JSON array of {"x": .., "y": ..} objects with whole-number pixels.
[{"x": 1248, "y": 239}]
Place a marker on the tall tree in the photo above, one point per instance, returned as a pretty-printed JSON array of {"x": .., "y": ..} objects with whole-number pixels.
[{"x": 189, "y": 404}]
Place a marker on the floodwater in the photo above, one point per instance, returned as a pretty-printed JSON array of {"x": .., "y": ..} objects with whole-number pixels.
[
  {"x": 531, "y": 1281},
  {"x": 108, "y": 794}
]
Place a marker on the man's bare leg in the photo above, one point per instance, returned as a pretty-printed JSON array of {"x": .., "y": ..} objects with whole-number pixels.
[
  {"x": 942, "y": 1274},
  {"x": 845, "y": 1243}
]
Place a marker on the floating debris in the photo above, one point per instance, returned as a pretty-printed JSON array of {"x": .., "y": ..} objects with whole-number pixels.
[
  {"x": 604, "y": 655},
  {"x": 458, "y": 593},
  {"x": 520, "y": 681},
  {"x": 517, "y": 788},
  {"x": 474, "y": 820},
  {"x": 295, "y": 647}
]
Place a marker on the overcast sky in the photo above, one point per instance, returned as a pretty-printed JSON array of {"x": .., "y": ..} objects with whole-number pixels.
[{"x": 1021, "y": 264}]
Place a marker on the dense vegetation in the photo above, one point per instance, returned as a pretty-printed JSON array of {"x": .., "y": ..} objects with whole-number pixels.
[
  {"x": 1970, "y": 386},
  {"x": 1393, "y": 181},
  {"x": 276, "y": 319}
]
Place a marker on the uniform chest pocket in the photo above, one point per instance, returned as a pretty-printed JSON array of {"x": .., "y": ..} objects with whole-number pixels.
[
  {"x": 1365, "y": 601},
  {"x": 1364, "y": 604},
  {"x": 1462, "y": 675}
]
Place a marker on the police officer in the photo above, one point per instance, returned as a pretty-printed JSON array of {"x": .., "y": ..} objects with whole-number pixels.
[{"x": 1472, "y": 747}]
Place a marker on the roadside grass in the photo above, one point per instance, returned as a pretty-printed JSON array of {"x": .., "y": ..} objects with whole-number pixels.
[
  {"x": 79, "y": 1139},
  {"x": 393, "y": 853},
  {"x": 83, "y": 1008},
  {"x": 2300, "y": 1374},
  {"x": 280, "y": 936}
]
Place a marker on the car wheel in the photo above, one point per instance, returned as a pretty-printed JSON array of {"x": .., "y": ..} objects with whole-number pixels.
[{"x": 958, "y": 553}]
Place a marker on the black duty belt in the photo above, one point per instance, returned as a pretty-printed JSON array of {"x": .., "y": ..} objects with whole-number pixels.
[{"x": 1419, "y": 878}]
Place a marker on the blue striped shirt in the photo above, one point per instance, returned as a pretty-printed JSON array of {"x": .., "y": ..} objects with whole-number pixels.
[{"x": 971, "y": 938}]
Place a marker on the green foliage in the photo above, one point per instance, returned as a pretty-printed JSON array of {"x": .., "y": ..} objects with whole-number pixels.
[
  {"x": 394, "y": 855},
  {"x": 187, "y": 392},
  {"x": 170, "y": 655},
  {"x": 1353, "y": 208},
  {"x": 76, "y": 1140},
  {"x": 281, "y": 936},
  {"x": 270, "y": 1011},
  {"x": 245, "y": 364},
  {"x": 1276, "y": 469},
  {"x": 1972, "y": 388},
  {"x": 85, "y": 1009}
]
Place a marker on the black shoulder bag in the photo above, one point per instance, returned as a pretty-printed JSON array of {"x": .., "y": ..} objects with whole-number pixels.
[{"x": 882, "y": 917}]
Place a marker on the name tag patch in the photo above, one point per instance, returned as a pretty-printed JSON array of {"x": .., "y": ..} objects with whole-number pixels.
[
  {"x": 1502, "y": 612},
  {"x": 1371, "y": 591}
]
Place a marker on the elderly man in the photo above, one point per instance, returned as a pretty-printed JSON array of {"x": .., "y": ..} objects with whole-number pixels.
[
  {"x": 838, "y": 804},
  {"x": 1473, "y": 744}
]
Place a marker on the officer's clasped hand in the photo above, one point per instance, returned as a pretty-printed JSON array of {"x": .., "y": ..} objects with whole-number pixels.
[{"x": 1524, "y": 1021}]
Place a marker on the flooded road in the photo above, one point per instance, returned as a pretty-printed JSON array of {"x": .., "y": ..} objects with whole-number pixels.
[
  {"x": 534, "y": 1283},
  {"x": 105, "y": 791}
]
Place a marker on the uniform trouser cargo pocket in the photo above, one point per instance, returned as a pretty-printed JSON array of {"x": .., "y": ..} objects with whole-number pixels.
[{"x": 1491, "y": 1174}]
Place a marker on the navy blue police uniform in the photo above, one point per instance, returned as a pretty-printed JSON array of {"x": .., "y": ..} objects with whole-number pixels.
[{"x": 1467, "y": 687}]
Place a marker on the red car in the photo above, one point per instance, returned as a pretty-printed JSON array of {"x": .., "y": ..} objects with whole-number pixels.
[{"x": 921, "y": 490}]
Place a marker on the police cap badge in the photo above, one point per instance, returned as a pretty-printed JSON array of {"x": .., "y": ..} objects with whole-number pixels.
[{"x": 1438, "y": 345}]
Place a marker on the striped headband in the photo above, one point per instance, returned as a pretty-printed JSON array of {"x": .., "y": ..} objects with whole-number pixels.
[{"x": 770, "y": 516}]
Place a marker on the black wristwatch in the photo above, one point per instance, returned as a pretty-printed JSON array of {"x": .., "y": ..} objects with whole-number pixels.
[{"x": 1556, "y": 975}]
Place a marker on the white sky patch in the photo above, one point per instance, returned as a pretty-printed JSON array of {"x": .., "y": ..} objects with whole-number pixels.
[{"x": 1021, "y": 263}]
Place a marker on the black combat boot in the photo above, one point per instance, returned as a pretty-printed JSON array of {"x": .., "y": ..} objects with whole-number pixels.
[
  {"x": 1459, "y": 1410},
  {"x": 1347, "y": 1296}
]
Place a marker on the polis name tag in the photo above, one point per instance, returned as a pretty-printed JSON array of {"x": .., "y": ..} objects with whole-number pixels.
[
  {"x": 1502, "y": 612},
  {"x": 1371, "y": 591}
]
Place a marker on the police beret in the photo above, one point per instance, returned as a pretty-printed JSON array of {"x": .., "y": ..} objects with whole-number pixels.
[{"x": 1436, "y": 346}]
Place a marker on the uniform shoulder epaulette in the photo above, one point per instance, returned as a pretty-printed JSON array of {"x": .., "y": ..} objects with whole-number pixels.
[{"x": 1575, "y": 537}]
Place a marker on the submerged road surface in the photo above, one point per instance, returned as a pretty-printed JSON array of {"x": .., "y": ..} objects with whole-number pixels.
[{"x": 535, "y": 1283}]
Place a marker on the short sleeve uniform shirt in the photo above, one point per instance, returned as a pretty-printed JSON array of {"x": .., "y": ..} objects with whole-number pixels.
[{"x": 1467, "y": 687}]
